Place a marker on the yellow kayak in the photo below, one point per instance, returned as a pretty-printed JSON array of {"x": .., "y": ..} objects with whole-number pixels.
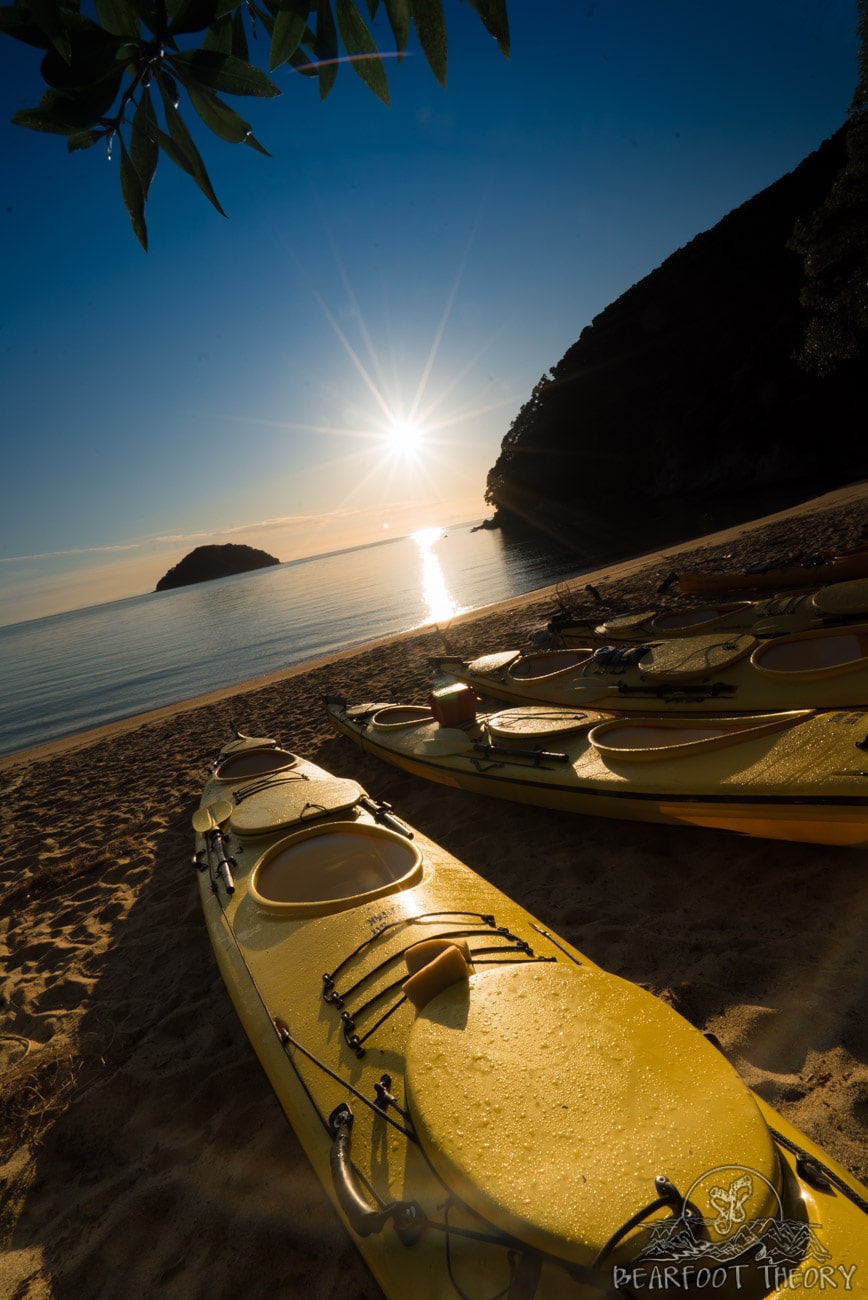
[
  {"x": 841, "y": 603},
  {"x": 788, "y": 776},
  {"x": 490, "y": 1112},
  {"x": 735, "y": 673},
  {"x": 809, "y": 572}
]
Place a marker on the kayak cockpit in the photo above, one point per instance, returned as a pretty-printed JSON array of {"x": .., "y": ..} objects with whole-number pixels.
[
  {"x": 813, "y": 654},
  {"x": 664, "y": 738},
  {"x": 245, "y": 764},
  {"x": 334, "y": 866}
]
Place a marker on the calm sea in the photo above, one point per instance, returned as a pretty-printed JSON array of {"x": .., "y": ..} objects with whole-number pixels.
[{"x": 73, "y": 671}]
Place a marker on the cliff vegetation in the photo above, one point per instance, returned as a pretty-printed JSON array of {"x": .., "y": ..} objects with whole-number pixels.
[{"x": 685, "y": 406}]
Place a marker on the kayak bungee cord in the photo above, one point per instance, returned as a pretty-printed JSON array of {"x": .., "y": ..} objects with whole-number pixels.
[
  {"x": 667, "y": 1196},
  {"x": 359, "y": 1200},
  {"x": 354, "y": 1042},
  {"x": 267, "y": 783},
  {"x": 338, "y": 998},
  {"x": 328, "y": 979},
  {"x": 813, "y": 1172},
  {"x": 384, "y": 1100},
  {"x": 407, "y": 1225}
]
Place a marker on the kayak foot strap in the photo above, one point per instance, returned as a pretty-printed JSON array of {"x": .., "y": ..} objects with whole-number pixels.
[{"x": 407, "y": 1216}]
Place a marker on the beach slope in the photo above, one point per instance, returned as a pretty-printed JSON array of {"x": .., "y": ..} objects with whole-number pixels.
[{"x": 142, "y": 1150}]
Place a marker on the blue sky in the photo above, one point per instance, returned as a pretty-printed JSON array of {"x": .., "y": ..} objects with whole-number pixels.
[{"x": 246, "y": 380}]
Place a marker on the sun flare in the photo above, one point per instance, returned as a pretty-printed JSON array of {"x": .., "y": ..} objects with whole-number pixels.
[{"x": 405, "y": 437}]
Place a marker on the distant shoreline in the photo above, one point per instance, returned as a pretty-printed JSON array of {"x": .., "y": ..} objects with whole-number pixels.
[{"x": 828, "y": 504}]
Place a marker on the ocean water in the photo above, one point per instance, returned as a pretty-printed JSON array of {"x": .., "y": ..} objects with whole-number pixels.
[{"x": 70, "y": 672}]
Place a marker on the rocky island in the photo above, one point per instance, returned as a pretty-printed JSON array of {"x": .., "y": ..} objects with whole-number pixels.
[{"x": 207, "y": 562}]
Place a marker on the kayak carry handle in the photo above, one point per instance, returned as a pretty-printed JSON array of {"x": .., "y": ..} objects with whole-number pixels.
[
  {"x": 364, "y": 1219},
  {"x": 383, "y": 815},
  {"x": 223, "y": 862}
]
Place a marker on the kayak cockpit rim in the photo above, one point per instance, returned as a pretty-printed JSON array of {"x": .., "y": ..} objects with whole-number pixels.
[
  {"x": 332, "y": 867},
  {"x": 813, "y": 655}
]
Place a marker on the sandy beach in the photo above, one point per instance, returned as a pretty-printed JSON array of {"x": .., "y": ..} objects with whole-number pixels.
[{"x": 143, "y": 1152}]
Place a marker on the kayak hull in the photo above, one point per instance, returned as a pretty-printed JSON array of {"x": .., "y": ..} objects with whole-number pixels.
[
  {"x": 728, "y": 673},
  {"x": 839, "y": 604},
  {"x": 847, "y": 566},
  {"x": 506, "y": 1123},
  {"x": 797, "y": 776}
]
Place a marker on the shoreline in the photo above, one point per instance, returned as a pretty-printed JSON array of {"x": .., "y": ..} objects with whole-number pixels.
[
  {"x": 614, "y": 574},
  {"x": 140, "y": 1139}
]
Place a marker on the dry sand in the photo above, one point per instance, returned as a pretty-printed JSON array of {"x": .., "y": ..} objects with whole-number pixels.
[{"x": 143, "y": 1152}]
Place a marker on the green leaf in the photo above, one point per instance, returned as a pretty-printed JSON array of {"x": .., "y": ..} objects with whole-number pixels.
[
  {"x": 494, "y": 17},
  {"x": 223, "y": 120},
  {"x": 183, "y": 152},
  {"x": 262, "y": 16},
  {"x": 219, "y": 37},
  {"x": 133, "y": 196},
  {"x": 222, "y": 72},
  {"x": 398, "y": 12},
  {"x": 288, "y": 30},
  {"x": 192, "y": 16},
  {"x": 83, "y": 139},
  {"x": 119, "y": 17},
  {"x": 92, "y": 56},
  {"x": 431, "y": 30},
  {"x": 360, "y": 46},
  {"x": 49, "y": 17},
  {"x": 304, "y": 59},
  {"x": 239, "y": 38},
  {"x": 64, "y": 111},
  {"x": 143, "y": 148},
  {"x": 168, "y": 86},
  {"x": 41, "y": 119},
  {"x": 17, "y": 23},
  {"x": 325, "y": 47}
]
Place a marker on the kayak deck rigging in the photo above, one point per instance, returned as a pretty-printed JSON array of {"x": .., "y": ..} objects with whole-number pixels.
[
  {"x": 499, "y": 952},
  {"x": 522, "y": 1118}
]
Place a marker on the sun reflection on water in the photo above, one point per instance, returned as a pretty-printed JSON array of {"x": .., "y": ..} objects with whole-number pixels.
[{"x": 441, "y": 606}]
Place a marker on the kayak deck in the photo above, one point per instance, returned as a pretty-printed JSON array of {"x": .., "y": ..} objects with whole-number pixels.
[
  {"x": 489, "y": 1111},
  {"x": 799, "y": 776},
  {"x": 827, "y": 669}
]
